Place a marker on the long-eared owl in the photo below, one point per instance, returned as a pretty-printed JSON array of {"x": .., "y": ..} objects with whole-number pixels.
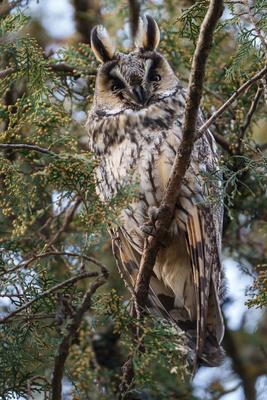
[{"x": 135, "y": 129}]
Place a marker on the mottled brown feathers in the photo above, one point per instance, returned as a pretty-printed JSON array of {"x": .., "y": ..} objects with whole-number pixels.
[{"x": 135, "y": 128}]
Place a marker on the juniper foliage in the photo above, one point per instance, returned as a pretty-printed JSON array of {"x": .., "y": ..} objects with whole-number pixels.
[{"x": 52, "y": 221}]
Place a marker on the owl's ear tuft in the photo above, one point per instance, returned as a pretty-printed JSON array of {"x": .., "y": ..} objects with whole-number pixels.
[
  {"x": 102, "y": 44},
  {"x": 148, "y": 34}
]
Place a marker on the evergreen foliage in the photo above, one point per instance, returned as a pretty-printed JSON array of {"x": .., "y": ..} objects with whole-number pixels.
[{"x": 52, "y": 222}]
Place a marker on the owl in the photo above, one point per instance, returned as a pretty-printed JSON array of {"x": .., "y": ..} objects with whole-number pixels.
[{"x": 135, "y": 129}]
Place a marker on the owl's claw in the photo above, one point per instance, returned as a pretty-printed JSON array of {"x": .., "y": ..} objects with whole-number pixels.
[{"x": 148, "y": 229}]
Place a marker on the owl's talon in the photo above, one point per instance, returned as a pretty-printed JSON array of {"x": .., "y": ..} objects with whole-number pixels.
[
  {"x": 153, "y": 214},
  {"x": 148, "y": 230}
]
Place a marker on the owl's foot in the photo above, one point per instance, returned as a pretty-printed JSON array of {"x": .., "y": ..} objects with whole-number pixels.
[{"x": 148, "y": 229}]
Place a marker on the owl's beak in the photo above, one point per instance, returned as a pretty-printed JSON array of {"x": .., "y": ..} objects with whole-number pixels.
[{"x": 140, "y": 94}]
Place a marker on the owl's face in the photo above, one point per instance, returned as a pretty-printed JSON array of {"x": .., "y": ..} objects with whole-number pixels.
[{"x": 133, "y": 80}]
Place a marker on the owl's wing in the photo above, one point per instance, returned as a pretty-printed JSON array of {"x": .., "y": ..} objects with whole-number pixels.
[
  {"x": 205, "y": 336},
  {"x": 205, "y": 263},
  {"x": 128, "y": 261}
]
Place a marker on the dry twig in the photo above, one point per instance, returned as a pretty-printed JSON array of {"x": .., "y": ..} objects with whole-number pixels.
[
  {"x": 31, "y": 147},
  {"x": 72, "y": 328},
  {"x": 231, "y": 99},
  {"x": 55, "y": 288}
]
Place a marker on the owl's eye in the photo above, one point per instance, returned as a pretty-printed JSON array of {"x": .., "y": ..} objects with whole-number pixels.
[
  {"x": 117, "y": 85},
  {"x": 155, "y": 78}
]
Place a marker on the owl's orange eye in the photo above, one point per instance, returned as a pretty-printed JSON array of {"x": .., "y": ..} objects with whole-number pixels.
[
  {"x": 117, "y": 85},
  {"x": 155, "y": 78}
]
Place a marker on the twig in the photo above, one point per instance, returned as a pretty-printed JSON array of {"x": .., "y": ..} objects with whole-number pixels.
[
  {"x": 230, "y": 101},
  {"x": 165, "y": 213},
  {"x": 59, "y": 67},
  {"x": 249, "y": 116},
  {"x": 67, "y": 220},
  {"x": 222, "y": 141},
  {"x": 67, "y": 69},
  {"x": 6, "y": 72},
  {"x": 48, "y": 292},
  {"x": 30, "y": 147},
  {"x": 6, "y": 8},
  {"x": 239, "y": 367},
  {"x": 227, "y": 391},
  {"x": 262, "y": 147},
  {"x": 26, "y": 263},
  {"x": 72, "y": 328},
  {"x": 254, "y": 23}
]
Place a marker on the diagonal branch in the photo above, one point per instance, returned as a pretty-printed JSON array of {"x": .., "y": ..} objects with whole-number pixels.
[
  {"x": 181, "y": 163},
  {"x": 26, "y": 263},
  {"x": 182, "y": 159},
  {"x": 67, "y": 220},
  {"x": 249, "y": 116},
  {"x": 231, "y": 99},
  {"x": 6, "y": 72},
  {"x": 47, "y": 292},
  {"x": 66, "y": 342}
]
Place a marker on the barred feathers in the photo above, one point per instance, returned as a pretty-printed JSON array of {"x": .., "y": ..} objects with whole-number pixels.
[{"x": 137, "y": 143}]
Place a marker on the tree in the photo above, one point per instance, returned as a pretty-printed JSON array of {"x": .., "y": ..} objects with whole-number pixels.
[{"x": 63, "y": 312}]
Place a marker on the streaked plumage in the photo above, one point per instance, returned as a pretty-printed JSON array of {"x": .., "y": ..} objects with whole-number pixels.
[{"x": 135, "y": 128}]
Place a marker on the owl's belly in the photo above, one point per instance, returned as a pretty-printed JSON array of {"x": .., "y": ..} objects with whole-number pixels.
[{"x": 147, "y": 161}]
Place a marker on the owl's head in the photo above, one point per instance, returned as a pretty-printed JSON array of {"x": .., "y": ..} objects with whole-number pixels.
[{"x": 133, "y": 80}]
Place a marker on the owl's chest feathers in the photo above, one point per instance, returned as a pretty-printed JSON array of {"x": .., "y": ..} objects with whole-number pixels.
[
  {"x": 138, "y": 144},
  {"x": 146, "y": 159}
]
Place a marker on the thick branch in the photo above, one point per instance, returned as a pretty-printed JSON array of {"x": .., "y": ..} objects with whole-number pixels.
[
  {"x": 182, "y": 159},
  {"x": 181, "y": 163},
  {"x": 63, "y": 67},
  {"x": 65, "y": 345},
  {"x": 231, "y": 99}
]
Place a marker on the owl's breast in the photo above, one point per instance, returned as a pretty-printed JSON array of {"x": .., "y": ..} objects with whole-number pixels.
[{"x": 118, "y": 168}]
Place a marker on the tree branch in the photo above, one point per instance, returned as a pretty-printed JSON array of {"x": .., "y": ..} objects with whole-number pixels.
[
  {"x": 165, "y": 213},
  {"x": 65, "y": 345},
  {"x": 30, "y": 147},
  {"x": 60, "y": 285},
  {"x": 255, "y": 24},
  {"x": 6, "y": 8},
  {"x": 182, "y": 159},
  {"x": 222, "y": 141},
  {"x": 26, "y": 263},
  {"x": 67, "y": 220},
  {"x": 6, "y": 72},
  {"x": 249, "y": 116},
  {"x": 234, "y": 96}
]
